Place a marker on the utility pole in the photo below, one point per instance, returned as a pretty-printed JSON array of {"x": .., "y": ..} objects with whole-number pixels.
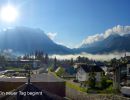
[
  {"x": 29, "y": 76},
  {"x": 27, "y": 68}
]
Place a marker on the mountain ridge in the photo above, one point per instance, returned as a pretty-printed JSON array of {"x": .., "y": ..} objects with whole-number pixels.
[
  {"x": 26, "y": 40},
  {"x": 110, "y": 44}
]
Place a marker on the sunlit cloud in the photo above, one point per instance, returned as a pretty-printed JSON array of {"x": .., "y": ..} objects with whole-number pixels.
[
  {"x": 120, "y": 30},
  {"x": 52, "y": 35}
]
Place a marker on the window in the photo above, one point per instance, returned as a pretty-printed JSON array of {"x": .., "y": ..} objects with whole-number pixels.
[{"x": 128, "y": 69}]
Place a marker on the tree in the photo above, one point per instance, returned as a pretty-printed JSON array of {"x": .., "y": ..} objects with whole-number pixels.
[
  {"x": 39, "y": 55},
  {"x": 82, "y": 59},
  {"x": 46, "y": 58},
  {"x": 71, "y": 61},
  {"x": 86, "y": 59},
  {"x": 2, "y": 58},
  {"x": 78, "y": 59},
  {"x": 104, "y": 82},
  {"x": 55, "y": 63},
  {"x": 25, "y": 57},
  {"x": 27, "y": 68},
  {"x": 92, "y": 80}
]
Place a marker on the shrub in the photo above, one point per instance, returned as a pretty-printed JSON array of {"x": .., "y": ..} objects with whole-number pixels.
[
  {"x": 111, "y": 90},
  {"x": 51, "y": 69},
  {"x": 92, "y": 82},
  {"x": 76, "y": 87},
  {"x": 104, "y": 82},
  {"x": 109, "y": 82}
]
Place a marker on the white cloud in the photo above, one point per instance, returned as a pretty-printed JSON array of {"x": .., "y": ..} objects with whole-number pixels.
[
  {"x": 99, "y": 57},
  {"x": 120, "y": 30},
  {"x": 52, "y": 35},
  {"x": 60, "y": 43}
]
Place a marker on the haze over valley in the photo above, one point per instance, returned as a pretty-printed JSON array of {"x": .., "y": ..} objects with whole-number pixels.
[{"x": 21, "y": 40}]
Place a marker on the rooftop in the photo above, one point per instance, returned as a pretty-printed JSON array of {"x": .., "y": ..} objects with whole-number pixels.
[
  {"x": 34, "y": 78},
  {"x": 30, "y": 92},
  {"x": 90, "y": 68}
]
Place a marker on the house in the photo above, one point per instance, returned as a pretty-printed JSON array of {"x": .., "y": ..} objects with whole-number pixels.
[
  {"x": 128, "y": 69},
  {"x": 77, "y": 65},
  {"x": 125, "y": 72},
  {"x": 21, "y": 63},
  {"x": 15, "y": 73},
  {"x": 69, "y": 72},
  {"x": 103, "y": 66},
  {"x": 84, "y": 70},
  {"x": 125, "y": 79},
  {"x": 1, "y": 68},
  {"x": 30, "y": 92}
]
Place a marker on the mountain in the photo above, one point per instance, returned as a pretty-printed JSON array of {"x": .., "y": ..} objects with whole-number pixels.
[
  {"x": 112, "y": 43},
  {"x": 27, "y": 40}
]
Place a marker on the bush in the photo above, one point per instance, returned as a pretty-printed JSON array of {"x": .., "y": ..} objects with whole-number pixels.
[
  {"x": 111, "y": 90},
  {"x": 92, "y": 82},
  {"x": 76, "y": 87},
  {"x": 109, "y": 82},
  {"x": 104, "y": 82},
  {"x": 51, "y": 69}
]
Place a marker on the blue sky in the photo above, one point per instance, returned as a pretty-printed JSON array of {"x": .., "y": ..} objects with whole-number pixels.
[{"x": 72, "y": 20}]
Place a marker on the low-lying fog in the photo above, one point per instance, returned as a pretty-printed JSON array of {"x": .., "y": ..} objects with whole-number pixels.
[{"x": 99, "y": 57}]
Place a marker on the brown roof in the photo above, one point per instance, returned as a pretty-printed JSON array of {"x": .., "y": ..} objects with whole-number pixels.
[
  {"x": 30, "y": 88},
  {"x": 34, "y": 78}
]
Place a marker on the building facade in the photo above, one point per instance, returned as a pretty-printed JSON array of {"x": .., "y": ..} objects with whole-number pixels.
[{"x": 84, "y": 70}]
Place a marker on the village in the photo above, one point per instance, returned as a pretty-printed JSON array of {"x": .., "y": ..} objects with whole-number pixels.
[
  {"x": 81, "y": 74},
  {"x": 96, "y": 76}
]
